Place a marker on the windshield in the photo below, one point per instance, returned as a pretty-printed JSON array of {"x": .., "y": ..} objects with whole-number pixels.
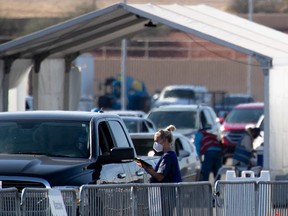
[
  {"x": 181, "y": 119},
  {"x": 180, "y": 93},
  {"x": 244, "y": 115},
  {"x": 135, "y": 126},
  {"x": 52, "y": 138},
  {"x": 144, "y": 147}
]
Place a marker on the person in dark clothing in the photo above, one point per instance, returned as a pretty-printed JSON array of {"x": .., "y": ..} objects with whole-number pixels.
[
  {"x": 208, "y": 145},
  {"x": 167, "y": 169}
]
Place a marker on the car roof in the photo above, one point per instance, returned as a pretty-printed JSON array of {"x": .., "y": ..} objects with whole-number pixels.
[
  {"x": 151, "y": 135},
  {"x": 237, "y": 95},
  {"x": 250, "y": 105},
  {"x": 57, "y": 114},
  {"x": 192, "y": 87},
  {"x": 173, "y": 107},
  {"x": 137, "y": 113}
]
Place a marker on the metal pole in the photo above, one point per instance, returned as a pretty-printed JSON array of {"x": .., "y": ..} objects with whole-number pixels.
[
  {"x": 123, "y": 73},
  {"x": 123, "y": 70},
  {"x": 249, "y": 60}
]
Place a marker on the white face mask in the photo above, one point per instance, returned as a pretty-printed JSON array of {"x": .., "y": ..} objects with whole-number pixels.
[{"x": 157, "y": 147}]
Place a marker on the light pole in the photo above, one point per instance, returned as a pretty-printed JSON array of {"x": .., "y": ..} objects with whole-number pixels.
[
  {"x": 249, "y": 60},
  {"x": 123, "y": 70}
]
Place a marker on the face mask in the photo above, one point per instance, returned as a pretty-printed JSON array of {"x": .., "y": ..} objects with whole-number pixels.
[{"x": 157, "y": 147}]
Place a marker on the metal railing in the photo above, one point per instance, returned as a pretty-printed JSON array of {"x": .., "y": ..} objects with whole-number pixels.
[
  {"x": 9, "y": 202},
  {"x": 250, "y": 197},
  {"x": 147, "y": 199}
]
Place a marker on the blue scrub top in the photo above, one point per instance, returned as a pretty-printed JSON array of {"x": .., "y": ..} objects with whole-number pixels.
[{"x": 169, "y": 167}]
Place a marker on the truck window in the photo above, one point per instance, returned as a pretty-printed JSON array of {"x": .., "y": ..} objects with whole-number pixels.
[
  {"x": 49, "y": 137},
  {"x": 119, "y": 134},
  {"x": 105, "y": 139}
]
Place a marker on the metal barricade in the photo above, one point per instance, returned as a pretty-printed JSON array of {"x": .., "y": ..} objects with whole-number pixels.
[
  {"x": 147, "y": 199},
  {"x": 70, "y": 200},
  {"x": 42, "y": 202},
  {"x": 106, "y": 200},
  {"x": 34, "y": 201},
  {"x": 9, "y": 202},
  {"x": 273, "y": 198},
  {"x": 239, "y": 196},
  {"x": 235, "y": 198}
]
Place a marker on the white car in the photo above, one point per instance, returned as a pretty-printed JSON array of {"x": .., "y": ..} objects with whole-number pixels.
[
  {"x": 188, "y": 160},
  {"x": 188, "y": 119},
  {"x": 138, "y": 124},
  {"x": 182, "y": 94}
]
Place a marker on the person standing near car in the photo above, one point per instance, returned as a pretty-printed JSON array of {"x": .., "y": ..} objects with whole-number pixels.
[
  {"x": 243, "y": 154},
  {"x": 209, "y": 150},
  {"x": 167, "y": 169}
]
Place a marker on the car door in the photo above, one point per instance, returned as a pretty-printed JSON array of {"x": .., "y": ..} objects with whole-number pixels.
[
  {"x": 188, "y": 160},
  {"x": 111, "y": 172},
  {"x": 121, "y": 137}
]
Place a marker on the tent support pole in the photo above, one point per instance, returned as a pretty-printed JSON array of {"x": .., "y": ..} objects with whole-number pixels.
[
  {"x": 266, "y": 65},
  {"x": 68, "y": 63},
  {"x": 8, "y": 62}
]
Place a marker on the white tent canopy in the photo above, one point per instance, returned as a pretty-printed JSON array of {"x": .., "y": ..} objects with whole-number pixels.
[{"x": 62, "y": 43}]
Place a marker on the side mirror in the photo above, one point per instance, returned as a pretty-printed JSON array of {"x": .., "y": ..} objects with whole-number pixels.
[
  {"x": 155, "y": 96},
  {"x": 117, "y": 155}
]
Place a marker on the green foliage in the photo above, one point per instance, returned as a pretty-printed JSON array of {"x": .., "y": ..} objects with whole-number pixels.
[
  {"x": 37, "y": 24},
  {"x": 14, "y": 28},
  {"x": 259, "y": 6}
]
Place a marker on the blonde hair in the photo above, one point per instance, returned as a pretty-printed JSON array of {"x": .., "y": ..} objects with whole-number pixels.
[{"x": 167, "y": 133}]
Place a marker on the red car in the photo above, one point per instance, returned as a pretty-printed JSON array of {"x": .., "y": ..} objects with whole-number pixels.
[{"x": 233, "y": 127}]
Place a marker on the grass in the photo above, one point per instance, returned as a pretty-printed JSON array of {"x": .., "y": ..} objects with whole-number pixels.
[{"x": 60, "y": 8}]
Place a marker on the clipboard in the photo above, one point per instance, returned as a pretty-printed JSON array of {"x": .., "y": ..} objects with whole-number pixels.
[{"x": 143, "y": 162}]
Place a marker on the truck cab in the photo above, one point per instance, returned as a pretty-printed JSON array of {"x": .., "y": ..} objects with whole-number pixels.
[{"x": 65, "y": 148}]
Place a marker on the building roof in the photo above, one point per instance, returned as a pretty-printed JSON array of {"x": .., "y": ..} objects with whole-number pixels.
[{"x": 95, "y": 29}]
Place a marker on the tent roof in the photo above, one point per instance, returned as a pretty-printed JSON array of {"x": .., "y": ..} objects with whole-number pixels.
[{"x": 118, "y": 21}]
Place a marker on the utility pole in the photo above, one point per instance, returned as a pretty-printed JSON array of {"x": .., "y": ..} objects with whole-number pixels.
[{"x": 249, "y": 60}]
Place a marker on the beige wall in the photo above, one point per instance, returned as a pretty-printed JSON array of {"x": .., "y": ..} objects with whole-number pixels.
[{"x": 217, "y": 75}]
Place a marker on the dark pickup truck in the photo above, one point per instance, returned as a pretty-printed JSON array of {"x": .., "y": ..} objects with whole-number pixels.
[{"x": 65, "y": 148}]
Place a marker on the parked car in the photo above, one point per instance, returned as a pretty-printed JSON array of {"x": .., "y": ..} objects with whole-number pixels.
[
  {"x": 229, "y": 101},
  {"x": 138, "y": 124},
  {"x": 186, "y": 152},
  {"x": 188, "y": 119},
  {"x": 182, "y": 94},
  {"x": 65, "y": 148},
  {"x": 234, "y": 125}
]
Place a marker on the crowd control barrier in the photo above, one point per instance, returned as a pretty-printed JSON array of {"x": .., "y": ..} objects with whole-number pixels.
[
  {"x": 42, "y": 201},
  {"x": 245, "y": 196},
  {"x": 9, "y": 202},
  {"x": 248, "y": 195},
  {"x": 147, "y": 199}
]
